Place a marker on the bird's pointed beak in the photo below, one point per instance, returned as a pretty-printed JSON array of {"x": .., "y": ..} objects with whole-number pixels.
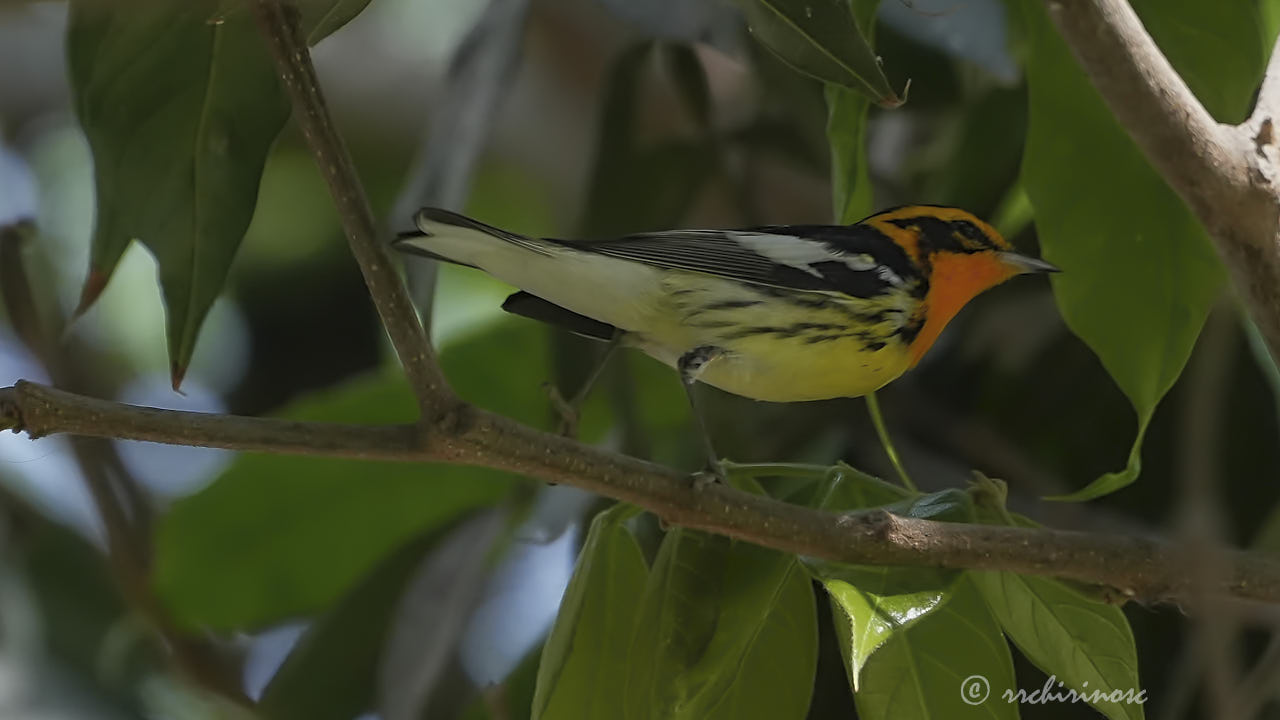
[{"x": 1024, "y": 264}]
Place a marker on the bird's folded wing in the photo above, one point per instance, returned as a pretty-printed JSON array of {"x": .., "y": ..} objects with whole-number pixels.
[{"x": 853, "y": 261}]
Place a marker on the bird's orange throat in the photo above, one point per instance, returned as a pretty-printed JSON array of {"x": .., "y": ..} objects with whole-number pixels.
[{"x": 956, "y": 279}]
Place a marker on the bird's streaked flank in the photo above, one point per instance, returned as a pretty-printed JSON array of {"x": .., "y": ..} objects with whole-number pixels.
[{"x": 778, "y": 313}]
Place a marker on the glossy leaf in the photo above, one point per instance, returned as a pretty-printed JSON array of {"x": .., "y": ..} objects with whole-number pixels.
[
  {"x": 874, "y": 603},
  {"x": 725, "y": 630},
  {"x": 1085, "y": 644},
  {"x": 1138, "y": 272},
  {"x": 180, "y": 104},
  {"x": 584, "y": 662},
  {"x": 331, "y": 672},
  {"x": 929, "y": 670},
  {"x": 822, "y": 39},
  {"x": 847, "y": 136}
]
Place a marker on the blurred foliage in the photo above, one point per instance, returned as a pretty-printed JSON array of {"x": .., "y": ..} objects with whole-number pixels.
[{"x": 181, "y": 113}]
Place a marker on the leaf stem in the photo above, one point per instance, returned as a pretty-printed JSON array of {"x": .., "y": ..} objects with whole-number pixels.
[{"x": 873, "y": 409}]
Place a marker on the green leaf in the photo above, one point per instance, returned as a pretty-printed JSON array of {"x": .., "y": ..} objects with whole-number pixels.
[
  {"x": 1138, "y": 274},
  {"x": 331, "y": 672},
  {"x": 279, "y": 536},
  {"x": 847, "y": 136},
  {"x": 180, "y": 104},
  {"x": 1085, "y": 644},
  {"x": 584, "y": 662},
  {"x": 851, "y": 489},
  {"x": 821, "y": 38},
  {"x": 928, "y": 669},
  {"x": 725, "y": 630},
  {"x": 874, "y": 603}
]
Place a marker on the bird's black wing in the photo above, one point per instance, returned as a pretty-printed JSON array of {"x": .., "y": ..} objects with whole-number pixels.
[{"x": 856, "y": 260}]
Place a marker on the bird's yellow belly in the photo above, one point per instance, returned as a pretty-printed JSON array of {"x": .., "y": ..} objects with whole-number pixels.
[
  {"x": 792, "y": 373},
  {"x": 780, "y": 349}
]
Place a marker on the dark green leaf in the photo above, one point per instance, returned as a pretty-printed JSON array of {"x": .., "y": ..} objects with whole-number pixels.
[
  {"x": 822, "y": 39},
  {"x": 180, "y": 104},
  {"x": 1085, "y": 644},
  {"x": 930, "y": 669},
  {"x": 847, "y": 136},
  {"x": 690, "y": 79},
  {"x": 331, "y": 672},
  {"x": 725, "y": 630},
  {"x": 584, "y": 663},
  {"x": 637, "y": 185},
  {"x": 1138, "y": 272}
]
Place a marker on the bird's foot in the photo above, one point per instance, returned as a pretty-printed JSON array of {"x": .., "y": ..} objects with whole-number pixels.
[{"x": 568, "y": 411}]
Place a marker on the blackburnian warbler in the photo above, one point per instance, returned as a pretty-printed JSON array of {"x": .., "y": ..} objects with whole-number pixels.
[{"x": 778, "y": 313}]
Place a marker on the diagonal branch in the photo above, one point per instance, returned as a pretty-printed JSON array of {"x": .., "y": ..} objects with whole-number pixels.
[
  {"x": 1226, "y": 174},
  {"x": 279, "y": 26},
  {"x": 1148, "y": 569}
]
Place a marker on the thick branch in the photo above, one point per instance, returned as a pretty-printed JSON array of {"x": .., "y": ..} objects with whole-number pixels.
[
  {"x": 279, "y": 26},
  {"x": 1226, "y": 174},
  {"x": 1146, "y": 568}
]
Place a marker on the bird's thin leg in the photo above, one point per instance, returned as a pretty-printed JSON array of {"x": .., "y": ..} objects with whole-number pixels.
[
  {"x": 690, "y": 366},
  {"x": 570, "y": 409}
]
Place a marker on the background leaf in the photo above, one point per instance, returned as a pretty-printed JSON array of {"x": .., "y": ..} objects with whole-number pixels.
[
  {"x": 332, "y": 670},
  {"x": 585, "y": 660},
  {"x": 180, "y": 105},
  {"x": 1138, "y": 274},
  {"x": 725, "y": 631},
  {"x": 279, "y": 536}
]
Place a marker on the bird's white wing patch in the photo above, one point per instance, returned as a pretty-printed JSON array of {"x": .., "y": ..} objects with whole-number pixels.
[
  {"x": 802, "y": 253},
  {"x": 789, "y": 250}
]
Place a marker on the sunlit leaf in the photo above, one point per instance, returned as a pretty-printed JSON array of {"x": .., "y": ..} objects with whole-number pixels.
[{"x": 1138, "y": 274}]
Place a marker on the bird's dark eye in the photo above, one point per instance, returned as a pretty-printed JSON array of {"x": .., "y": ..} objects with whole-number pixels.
[{"x": 971, "y": 236}]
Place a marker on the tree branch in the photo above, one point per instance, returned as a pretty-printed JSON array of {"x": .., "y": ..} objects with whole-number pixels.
[
  {"x": 1226, "y": 174},
  {"x": 279, "y": 26},
  {"x": 1144, "y": 568}
]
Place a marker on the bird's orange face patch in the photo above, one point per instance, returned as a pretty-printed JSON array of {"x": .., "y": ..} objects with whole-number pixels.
[{"x": 956, "y": 279}]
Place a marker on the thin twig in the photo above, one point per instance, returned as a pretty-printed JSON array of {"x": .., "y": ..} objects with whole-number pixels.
[
  {"x": 279, "y": 26},
  {"x": 1144, "y": 568}
]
